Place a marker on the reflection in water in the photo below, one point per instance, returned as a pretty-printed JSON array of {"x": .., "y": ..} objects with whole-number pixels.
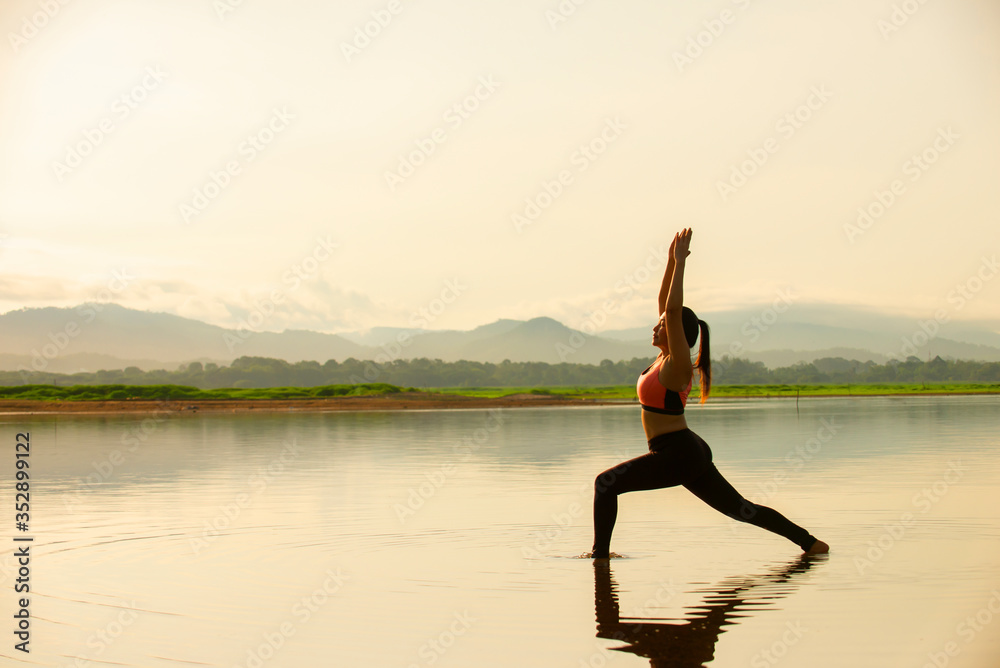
[
  {"x": 213, "y": 562},
  {"x": 688, "y": 643}
]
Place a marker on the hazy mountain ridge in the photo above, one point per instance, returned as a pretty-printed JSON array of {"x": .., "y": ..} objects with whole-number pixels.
[
  {"x": 807, "y": 332},
  {"x": 73, "y": 339}
]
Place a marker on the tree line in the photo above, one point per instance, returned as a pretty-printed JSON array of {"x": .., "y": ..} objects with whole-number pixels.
[{"x": 255, "y": 372}]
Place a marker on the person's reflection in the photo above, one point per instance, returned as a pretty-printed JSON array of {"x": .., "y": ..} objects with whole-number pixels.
[{"x": 690, "y": 642}]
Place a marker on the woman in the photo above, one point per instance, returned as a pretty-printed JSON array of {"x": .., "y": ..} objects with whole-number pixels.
[{"x": 678, "y": 456}]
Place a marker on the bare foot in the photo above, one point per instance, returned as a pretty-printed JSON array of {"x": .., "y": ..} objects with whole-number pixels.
[{"x": 819, "y": 547}]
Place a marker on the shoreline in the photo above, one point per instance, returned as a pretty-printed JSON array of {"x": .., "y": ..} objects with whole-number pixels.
[
  {"x": 389, "y": 402},
  {"x": 393, "y": 402}
]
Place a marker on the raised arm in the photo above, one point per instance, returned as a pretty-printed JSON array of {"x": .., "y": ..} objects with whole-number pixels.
[
  {"x": 679, "y": 370},
  {"x": 679, "y": 252},
  {"x": 661, "y": 301}
]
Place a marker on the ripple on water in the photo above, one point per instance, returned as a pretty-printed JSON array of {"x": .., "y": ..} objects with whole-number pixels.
[{"x": 208, "y": 586}]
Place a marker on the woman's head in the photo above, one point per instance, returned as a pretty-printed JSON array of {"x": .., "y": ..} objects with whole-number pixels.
[
  {"x": 689, "y": 321},
  {"x": 693, "y": 328}
]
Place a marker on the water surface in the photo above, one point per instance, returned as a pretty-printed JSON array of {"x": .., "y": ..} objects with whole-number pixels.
[{"x": 449, "y": 538}]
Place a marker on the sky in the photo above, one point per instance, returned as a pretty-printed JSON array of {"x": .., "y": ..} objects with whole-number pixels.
[{"x": 336, "y": 166}]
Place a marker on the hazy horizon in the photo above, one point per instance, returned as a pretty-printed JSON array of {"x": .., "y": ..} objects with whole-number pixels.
[
  {"x": 795, "y": 312},
  {"x": 220, "y": 159}
]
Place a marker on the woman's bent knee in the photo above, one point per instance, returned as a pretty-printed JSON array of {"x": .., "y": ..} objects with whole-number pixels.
[
  {"x": 602, "y": 483},
  {"x": 605, "y": 483}
]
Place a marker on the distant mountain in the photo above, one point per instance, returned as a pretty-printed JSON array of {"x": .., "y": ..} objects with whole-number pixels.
[
  {"x": 451, "y": 345},
  {"x": 69, "y": 340},
  {"x": 382, "y": 336},
  {"x": 537, "y": 340},
  {"x": 807, "y": 332},
  {"x": 547, "y": 340},
  {"x": 297, "y": 345},
  {"x": 377, "y": 336},
  {"x": 148, "y": 340},
  {"x": 93, "y": 336}
]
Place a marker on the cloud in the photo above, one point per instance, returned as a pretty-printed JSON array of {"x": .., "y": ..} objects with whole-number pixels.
[
  {"x": 313, "y": 305},
  {"x": 18, "y": 291}
]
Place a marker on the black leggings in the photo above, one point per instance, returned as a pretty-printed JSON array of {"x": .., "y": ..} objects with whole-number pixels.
[{"x": 681, "y": 458}]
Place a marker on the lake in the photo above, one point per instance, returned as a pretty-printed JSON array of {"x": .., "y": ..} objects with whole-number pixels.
[{"x": 451, "y": 538}]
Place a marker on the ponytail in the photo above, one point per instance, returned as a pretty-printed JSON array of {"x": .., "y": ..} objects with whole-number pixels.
[
  {"x": 693, "y": 327},
  {"x": 704, "y": 362}
]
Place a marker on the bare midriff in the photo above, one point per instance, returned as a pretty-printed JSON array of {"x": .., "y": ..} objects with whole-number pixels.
[{"x": 655, "y": 424}]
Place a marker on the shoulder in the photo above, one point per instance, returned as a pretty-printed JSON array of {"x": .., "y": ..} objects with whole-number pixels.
[{"x": 671, "y": 377}]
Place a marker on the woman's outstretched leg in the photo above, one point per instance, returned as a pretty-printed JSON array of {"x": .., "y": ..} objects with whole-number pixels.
[{"x": 712, "y": 488}]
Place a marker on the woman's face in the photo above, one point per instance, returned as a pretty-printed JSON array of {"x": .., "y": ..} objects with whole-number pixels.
[{"x": 660, "y": 332}]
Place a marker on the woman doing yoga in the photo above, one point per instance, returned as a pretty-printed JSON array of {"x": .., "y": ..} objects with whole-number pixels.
[{"x": 678, "y": 456}]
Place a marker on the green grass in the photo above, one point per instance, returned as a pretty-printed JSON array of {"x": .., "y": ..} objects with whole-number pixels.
[
  {"x": 575, "y": 391},
  {"x": 186, "y": 393},
  {"x": 607, "y": 393},
  {"x": 853, "y": 390},
  {"x": 627, "y": 392}
]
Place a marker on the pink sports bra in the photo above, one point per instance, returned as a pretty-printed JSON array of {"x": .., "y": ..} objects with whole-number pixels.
[{"x": 656, "y": 398}]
